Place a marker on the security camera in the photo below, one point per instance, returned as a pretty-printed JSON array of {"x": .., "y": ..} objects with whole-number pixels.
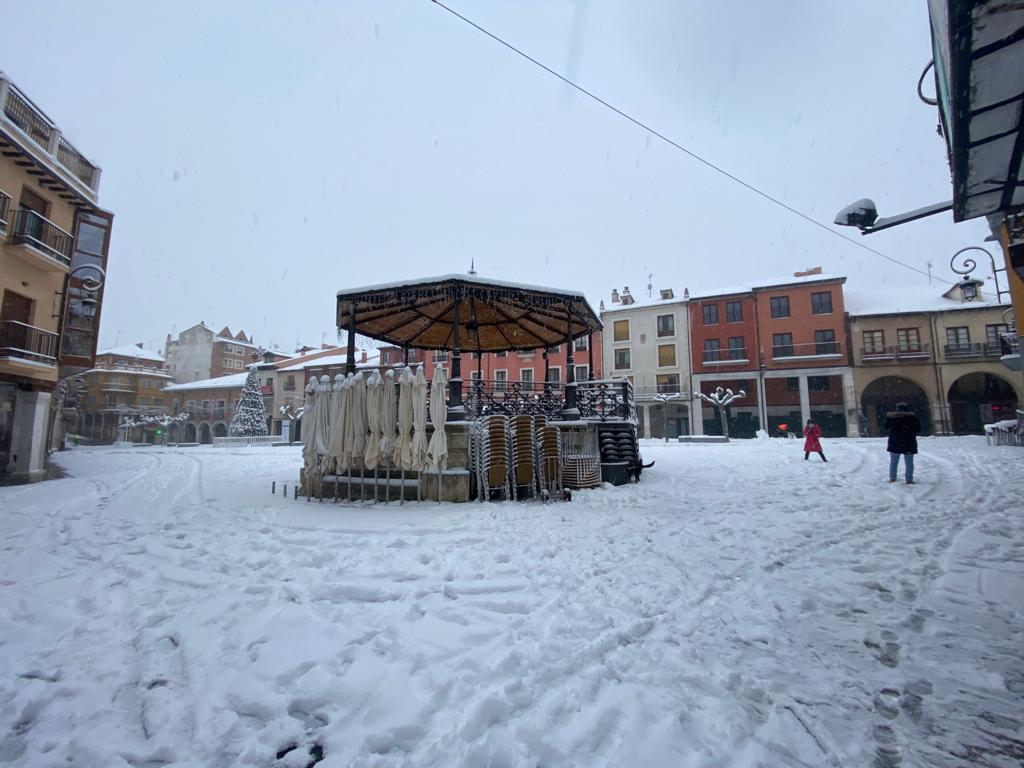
[{"x": 861, "y": 214}]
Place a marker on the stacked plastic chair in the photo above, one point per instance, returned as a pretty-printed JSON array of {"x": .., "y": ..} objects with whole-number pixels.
[
  {"x": 549, "y": 462},
  {"x": 491, "y": 454},
  {"x": 524, "y": 459}
]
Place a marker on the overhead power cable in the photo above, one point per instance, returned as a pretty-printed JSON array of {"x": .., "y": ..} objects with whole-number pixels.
[{"x": 718, "y": 169}]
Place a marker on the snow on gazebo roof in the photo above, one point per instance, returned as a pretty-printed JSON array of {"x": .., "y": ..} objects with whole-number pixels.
[{"x": 493, "y": 315}]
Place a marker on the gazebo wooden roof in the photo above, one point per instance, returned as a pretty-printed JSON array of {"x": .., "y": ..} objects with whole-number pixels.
[{"x": 465, "y": 311}]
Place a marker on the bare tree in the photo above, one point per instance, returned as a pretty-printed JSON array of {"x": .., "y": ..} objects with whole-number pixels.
[{"x": 721, "y": 399}]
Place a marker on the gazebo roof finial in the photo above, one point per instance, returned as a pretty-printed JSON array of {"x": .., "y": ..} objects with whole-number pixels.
[{"x": 472, "y": 267}]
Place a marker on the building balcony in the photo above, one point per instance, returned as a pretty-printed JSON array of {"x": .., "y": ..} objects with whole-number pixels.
[
  {"x": 5, "y": 211},
  {"x": 889, "y": 354},
  {"x": 25, "y": 343},
  {"x": 18, "y": 111},
  {"x": 726, "y": 357},
  {"x": 40, "y": 236},
  {"x": 825, "y": 350},
  {"x": 972, "y": 350}
]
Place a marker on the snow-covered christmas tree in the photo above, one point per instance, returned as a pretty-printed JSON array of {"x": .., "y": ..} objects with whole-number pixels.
[{"x": 251, "y": 415}]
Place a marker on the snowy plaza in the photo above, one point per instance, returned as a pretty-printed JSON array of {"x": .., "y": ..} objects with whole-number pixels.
[{"x": 738, "y": 607}]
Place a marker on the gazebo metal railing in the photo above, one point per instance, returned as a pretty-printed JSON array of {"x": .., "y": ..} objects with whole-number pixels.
[{"x": 610, "y": 400}]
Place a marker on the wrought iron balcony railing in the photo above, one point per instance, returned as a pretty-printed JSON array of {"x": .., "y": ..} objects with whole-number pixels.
[
  {"x": 27, "y": 342},
  {"x": 42, "y": 234},
  {"x": 20, "y": 111},
  {"x": 5, "y": 209},
  {"x": 977, "y": 349},
  {"x": 75, "y": 162},
  {"x": 920, "y": 351},
  {"x": 807, "y": 350},
  {"x": 733, "y": 356}
]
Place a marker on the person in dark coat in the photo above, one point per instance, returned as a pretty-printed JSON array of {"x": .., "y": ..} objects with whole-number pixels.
[
  {"x": 813, "y": 442},
  {"x": 903, "y": 427}
]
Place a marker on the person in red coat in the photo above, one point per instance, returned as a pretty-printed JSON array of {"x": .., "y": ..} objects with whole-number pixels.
[{"x": 812, "y": 432}]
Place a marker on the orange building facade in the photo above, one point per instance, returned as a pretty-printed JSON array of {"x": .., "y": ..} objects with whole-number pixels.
[{"x": 784, "y": 344}]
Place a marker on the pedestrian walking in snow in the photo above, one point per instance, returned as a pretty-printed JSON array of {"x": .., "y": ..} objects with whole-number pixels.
[
  {"x": 903, "y": 427},
  {"x": 812, "y": 443}
]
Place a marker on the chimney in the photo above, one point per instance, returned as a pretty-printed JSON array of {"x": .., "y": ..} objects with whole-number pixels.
[
  {"x": 686, "y": 293},
  {"x": 667, "y": 293},
  {"x": 138, "y": 344},
  {"x": 615, "y": 295},
  {"x": 808, "y": 272},
  {"x": 363, "y": 358},
  {"x": 602, "y": 305},
  {"x": 627, "y": 297}
]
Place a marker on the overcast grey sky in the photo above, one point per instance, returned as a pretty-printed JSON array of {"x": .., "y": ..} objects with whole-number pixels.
[{"x": 260, "y": 156}]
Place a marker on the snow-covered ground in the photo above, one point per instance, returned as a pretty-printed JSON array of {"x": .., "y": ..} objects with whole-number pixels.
[{"x": 738, "y": 607}]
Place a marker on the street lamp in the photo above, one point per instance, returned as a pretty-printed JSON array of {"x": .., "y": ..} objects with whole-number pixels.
[
  {"x": 85, "y": 293},
  {"x": 969, "y": 286}
]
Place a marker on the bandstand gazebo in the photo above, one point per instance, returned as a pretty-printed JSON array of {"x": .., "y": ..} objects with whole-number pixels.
[{"x": 456, "y": 314}]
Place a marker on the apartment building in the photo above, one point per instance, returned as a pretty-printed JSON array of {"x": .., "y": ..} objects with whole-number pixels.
[
  {"x": 646, "y": 340},
  {"x": 199, "y": 353},
  {"x": 125, "y": 382},
  {"x": 54, "y": 240},
  {"x": 783, "y": 342},
  {"x": 944, "y": 355}
]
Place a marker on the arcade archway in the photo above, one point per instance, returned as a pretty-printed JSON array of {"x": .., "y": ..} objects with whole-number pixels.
[
  {"x": 882, "y": 395},
  {"x": 977, "y": 399}
]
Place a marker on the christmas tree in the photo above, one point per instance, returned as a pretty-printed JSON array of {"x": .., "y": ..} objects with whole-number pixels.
[{"x": 250, "y": 416}]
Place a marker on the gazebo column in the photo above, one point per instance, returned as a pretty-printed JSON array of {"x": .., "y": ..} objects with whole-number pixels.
[
  {"x": 456, "y": 409},
  {"x": 571, "y": 411},
  {"x": 350, "y": 365},
  {"x": 590, "y": 353}
]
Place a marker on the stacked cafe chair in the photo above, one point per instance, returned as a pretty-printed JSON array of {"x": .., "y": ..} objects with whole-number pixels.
[
  {"x": 492, "y": 454},
  {"x": 524, "y": 466},
  {"x": 549, "y": 463}
]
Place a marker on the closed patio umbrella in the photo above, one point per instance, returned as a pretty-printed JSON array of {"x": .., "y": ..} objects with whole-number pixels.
[
  {"x": 337, "y": 444},
  {"x": 403, "y": 446},
  {"x": 387, "y": 416},
  {"x": 419, "y": 420},
  {"x": 358, "y": 416},
  {"x": 437, "y": 450},
  {"x": 388, "y": 419},
  {"x": 309, "y": 414},
  {"x": 374, "y": 393}
]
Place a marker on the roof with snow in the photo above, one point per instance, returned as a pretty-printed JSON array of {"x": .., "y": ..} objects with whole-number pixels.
[
  {"x": 328, "y": 361},
  {"x": 643, "y": 303},
  {"x": 775, "y": 282},
  {"x": 221, "y": 382},
  {"x": 130, "y": 350},
  {"x": 909, "y": 300},
  {"x": 489, "y": 315}
]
